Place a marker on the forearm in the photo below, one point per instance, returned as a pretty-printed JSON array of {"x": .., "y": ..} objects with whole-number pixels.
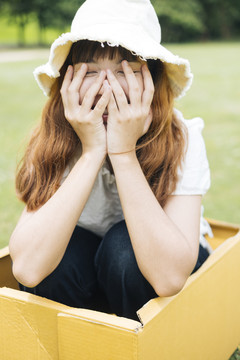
[
  {"x": 40, "y": 240},
  {"x": 162, "y": 252}
]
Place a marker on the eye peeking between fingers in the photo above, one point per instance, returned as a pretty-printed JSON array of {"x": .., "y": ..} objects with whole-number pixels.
[
  {"x": 121, "y": 73},
  {"x": 91, "y": 73}
]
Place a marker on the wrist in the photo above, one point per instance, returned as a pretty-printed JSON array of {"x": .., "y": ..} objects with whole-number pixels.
[
  {"x": 95, "y": 156},
  {"x": 123, "y": 158},
  {"x": 121, "y": 153}
]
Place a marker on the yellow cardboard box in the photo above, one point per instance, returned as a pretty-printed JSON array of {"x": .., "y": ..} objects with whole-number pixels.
[{"x": 202, "y": 322}]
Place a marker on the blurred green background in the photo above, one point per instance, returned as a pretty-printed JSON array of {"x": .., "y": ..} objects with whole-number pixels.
[
  {"x": 214, "y": 95},
  {"x": 187, "y": 20},
  {"x": 208, "y": 35}
]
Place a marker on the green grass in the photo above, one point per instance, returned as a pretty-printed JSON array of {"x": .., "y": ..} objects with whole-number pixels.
[
  {"x": 214, "y": 96},
  {"x": 236, "y": 355},
  {"x": 21, "y": 103}
]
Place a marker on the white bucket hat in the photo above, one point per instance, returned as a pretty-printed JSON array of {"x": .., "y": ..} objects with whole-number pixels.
[{"x": 133, "y": 24}]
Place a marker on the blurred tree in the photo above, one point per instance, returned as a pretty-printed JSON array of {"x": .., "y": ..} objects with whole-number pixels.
[
  {"x": 49, "y": 14},
  {"x": 54, "y": 14},
  {"x": 18, "y": 12},
  {"x": 66, "y": 11},
  {"x": 221, "y": 18},
  {"x": 180, "y": 20},
  {"x": 198, "y": 19}
]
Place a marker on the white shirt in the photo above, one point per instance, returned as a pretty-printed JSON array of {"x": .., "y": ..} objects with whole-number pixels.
[
  {"x": 194, "y": 178},
  {"x": 103, "y": 208}
]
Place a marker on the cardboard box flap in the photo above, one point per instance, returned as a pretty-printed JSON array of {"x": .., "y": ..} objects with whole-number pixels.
[
  {"x": 33, "y": 323},
  {"x": 202, "y": 321},
  {"x": 113, "y": 321},
  {"x": 4, "y": 252},
  {"x": 81, "y": 338},
  {"x": 154, "y": 306},
  {"x": 84, "y": 314},
  {"x": 6, "y": 276},
  {"x": 28, "y": 326},
  {"x": 30, "y": 299},
  {"x": 221, "y": 225},
  {"x": 97, "y": 317},
  {"x": 221, "y": 231}
]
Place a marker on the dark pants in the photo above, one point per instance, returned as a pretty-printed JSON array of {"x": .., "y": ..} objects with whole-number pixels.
[{"x": 100, "y": 274}]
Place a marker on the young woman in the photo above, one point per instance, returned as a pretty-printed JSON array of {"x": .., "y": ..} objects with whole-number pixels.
[{"x": 113, "y": 176}]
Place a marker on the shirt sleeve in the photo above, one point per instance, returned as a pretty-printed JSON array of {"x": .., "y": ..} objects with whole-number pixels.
[{"x": 194, "y": 175}]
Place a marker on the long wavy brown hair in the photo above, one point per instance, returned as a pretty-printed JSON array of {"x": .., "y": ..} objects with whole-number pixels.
[{"x": 54, "y": 142}]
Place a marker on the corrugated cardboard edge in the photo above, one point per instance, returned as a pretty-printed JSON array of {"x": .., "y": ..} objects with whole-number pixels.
[{"x": 96, "y": 317}]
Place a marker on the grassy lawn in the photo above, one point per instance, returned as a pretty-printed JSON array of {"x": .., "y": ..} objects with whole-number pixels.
[
  {"x": 214, "y": 96},
  {"x": 20, "y": 107}
]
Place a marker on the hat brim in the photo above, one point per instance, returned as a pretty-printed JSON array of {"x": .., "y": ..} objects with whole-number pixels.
[{"x": 178, "y": 69}]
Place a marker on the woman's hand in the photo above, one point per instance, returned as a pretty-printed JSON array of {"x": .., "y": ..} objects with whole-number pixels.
[
  {"x": 129, "y": 115},
  {"x": 86, "y": 120}
]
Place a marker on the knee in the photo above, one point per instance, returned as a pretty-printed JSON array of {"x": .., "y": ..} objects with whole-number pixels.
[
  {"x": 77, "y": 264},
  {"x": 74, "y": 279},
  {"x": 118, "y": 274},
  {"x": 115, "y": 259}
]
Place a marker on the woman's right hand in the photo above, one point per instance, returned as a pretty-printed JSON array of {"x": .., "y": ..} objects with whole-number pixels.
[{"x": 87, "y": 122}]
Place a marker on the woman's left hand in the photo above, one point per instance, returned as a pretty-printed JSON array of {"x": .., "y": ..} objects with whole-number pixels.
[{"x": 129, "y": 115}]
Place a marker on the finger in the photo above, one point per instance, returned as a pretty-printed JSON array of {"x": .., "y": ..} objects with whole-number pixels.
[
  {"x": 104, "y": 100},
  {"x": 148, "y": 92},
  {"x": 92, "y": 92},
  {"x": 117, "y": 90},
  {"x": 112, "y": 106},
  {"x": 66, "y": 81},
  {"x": 78, "y": 77},
  {"x": 134, "y": 90},
  {"x": 72, "y": 87}
]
